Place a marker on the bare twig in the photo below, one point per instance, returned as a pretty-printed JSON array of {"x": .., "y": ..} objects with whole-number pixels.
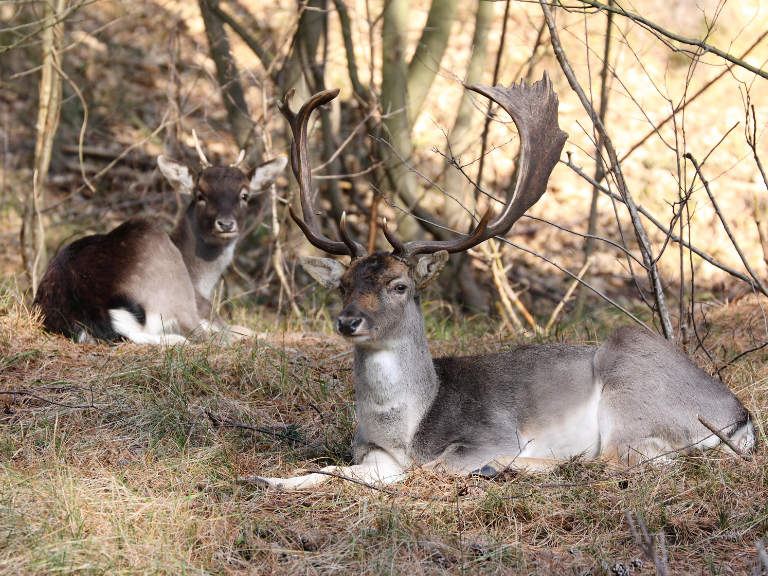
[
  {"x": 719, "y": 433},
  {"x": 669, "y": 233},
  {"x": 221, "y": 423},
  {"x": 689, "y": 100}
]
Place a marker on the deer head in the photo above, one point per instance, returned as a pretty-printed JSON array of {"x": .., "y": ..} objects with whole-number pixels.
[
  {"x": 221, "y": 195},
  {"x": 381, "y": 289}
]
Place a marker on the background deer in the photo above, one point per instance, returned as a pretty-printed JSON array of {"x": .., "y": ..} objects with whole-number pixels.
[
  {"x": 137, "y": 282},
  {"x": 635, "y": 396}
]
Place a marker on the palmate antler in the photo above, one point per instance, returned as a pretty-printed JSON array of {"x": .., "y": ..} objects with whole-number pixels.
[{"x": 534, "y": 111}]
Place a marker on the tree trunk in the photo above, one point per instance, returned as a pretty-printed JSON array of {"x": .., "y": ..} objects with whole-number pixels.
[
  {"x": 394, "y": 105},
  {"x": 303, "y": 54},
  {"x": 429, "y": 53},
  {"x": 226, "y": 73},
  {"x": 461, "y": 138},
  {"x": 33, "y": 249}
]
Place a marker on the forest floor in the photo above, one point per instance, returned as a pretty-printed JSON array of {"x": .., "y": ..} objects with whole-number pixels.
[{"x": 129, "y": 459}]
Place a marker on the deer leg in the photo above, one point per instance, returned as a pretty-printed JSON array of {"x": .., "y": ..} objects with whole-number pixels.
[
  {"x": 378, "y": 467},
  {"x": 517, "y": 464}
]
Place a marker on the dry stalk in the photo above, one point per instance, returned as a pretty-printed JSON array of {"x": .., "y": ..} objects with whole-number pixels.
[
  {"x": 647, "y": 544},
  {"x": 40, "y": 232},
  {"x": 569, "y": 293},
  {"x": 505, "y": 319},
  {"x": 508, "y": 296}
]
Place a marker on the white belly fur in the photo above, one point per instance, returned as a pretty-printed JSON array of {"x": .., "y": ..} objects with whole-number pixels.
[{"x": 564, "y": 435}]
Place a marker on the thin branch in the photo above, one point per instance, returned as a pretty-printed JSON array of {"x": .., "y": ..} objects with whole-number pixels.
[
  {"x": 266, "y": 58},
  {"x": 646, "y": 543},
  {"x": 706, "y": 257},
  {"x": 642, "y": 238},
  {"x": 346, "y": 32},
  {"x": 727, "y": 228},
  {"x": 340, "y": 149},
  {"x": 217, "y": 423},
  {"x": 732, "y": 360},
  {"x": 676, "y": 37},
  {"x": 64, "y": 14},
  {"x": 688, "y": 101}
]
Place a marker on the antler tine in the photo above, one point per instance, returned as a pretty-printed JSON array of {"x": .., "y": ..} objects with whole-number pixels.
[
  {"x": 534, "y": 111},
  {"x": 399, "y": 247},
  {"x": 203, "y": 160},
  {"x": 355, "y": 249},
  {"x": 409, "y": 249},
  {"x": 240, "y": 158},
  {"x": 302, "y": 170}
]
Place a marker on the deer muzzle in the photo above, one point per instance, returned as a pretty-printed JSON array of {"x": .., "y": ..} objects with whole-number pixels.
[
  {"x": 226, "y": 226},
  {"x": 347, "y": 326}
]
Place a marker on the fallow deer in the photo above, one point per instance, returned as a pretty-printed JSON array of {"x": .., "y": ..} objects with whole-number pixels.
[
  {"x": 138, "y": 283},
  {"x": 635, "y": 396}
]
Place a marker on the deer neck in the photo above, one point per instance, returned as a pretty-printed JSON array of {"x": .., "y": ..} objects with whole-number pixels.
[
  {"x": 205, "y": 261},
  {"x": 395, "y": 385}
]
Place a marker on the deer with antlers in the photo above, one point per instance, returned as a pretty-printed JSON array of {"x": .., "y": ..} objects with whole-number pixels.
[
  {"x": 635, "y": 396},
  {"x": 139, "y": 283}
]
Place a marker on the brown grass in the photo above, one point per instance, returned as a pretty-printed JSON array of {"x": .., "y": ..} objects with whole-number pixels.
[{"x": 125, "y": 460}]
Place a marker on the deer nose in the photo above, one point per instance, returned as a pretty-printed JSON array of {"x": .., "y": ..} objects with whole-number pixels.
[
  {"x": 349, "y": 326},
  {"x": 225, "y": 225}
]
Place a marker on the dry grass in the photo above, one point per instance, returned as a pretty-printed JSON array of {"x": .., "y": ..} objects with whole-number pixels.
[{"x": 115, "y": 466}]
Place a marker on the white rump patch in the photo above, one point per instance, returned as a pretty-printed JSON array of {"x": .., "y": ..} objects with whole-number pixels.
[
  {"x": 124, "y": 322},
  {"x": 744, "y": 437},
  {"x": 152, "y": 332}
]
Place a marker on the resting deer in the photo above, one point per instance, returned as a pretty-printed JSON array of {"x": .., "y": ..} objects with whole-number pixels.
[
  {"x": 636, "y": 396},
  {"x": 138, "y": 283}
]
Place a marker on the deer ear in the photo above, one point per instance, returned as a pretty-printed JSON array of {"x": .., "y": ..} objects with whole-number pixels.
[
  {"x": 265, "y": 175},
  {"x": 180, "y": 176},
  {"x": 325, "y": 270},
  {"x": 428, "y": 268}
]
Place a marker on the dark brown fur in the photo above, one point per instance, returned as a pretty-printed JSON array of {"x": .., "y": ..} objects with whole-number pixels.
[{"x": 82, "y": 283}]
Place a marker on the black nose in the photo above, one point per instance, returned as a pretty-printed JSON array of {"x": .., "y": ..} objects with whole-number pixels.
[
  {"x": 348, "y": 326},
  {"x": 225, "y": 225}
]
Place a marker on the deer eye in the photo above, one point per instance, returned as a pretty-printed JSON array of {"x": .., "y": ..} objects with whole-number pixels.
[
  {"x": 244, "y": 197},
  {"x": 401, "y": 288},
  {"x": 200, "y": 198},
  {"x": 341, "y": 290}
]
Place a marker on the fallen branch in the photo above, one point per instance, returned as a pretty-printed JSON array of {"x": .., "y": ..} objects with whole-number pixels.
[
  {"x": 727, "y": 441},
  {"x": 217, "y": 423}
]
